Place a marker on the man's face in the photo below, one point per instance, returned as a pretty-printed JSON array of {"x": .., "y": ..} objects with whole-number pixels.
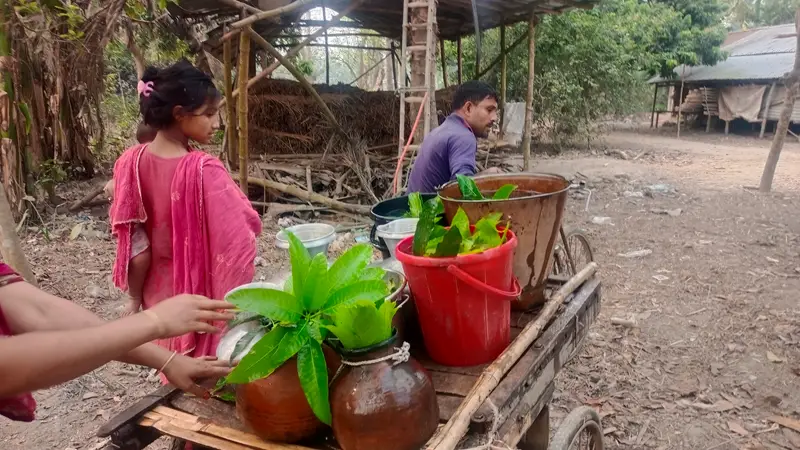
[{"x": 481, "y": 116}]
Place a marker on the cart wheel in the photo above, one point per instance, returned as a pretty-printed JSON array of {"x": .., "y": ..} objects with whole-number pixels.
[
  {"x": 580, "y": 430},
  {"x": 580, "y": 249}
]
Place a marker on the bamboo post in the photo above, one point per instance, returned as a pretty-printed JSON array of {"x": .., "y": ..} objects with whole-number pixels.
[
  {"x": 244, "y": 60},
  {"x": 680, "y": 102},
  {"x": 393, "y": 49},
  {"x": 476, "y": 23},
  {"x": 653, "y": 111},
  {"x": 230, "y": 110},
  {"x": 766, "y": 111},
  {"x": 460, "y": 52},
  {"x": 503, "y": 80},
  {"x": 10, "y": 246},
  {"x": 444, "y": 63},
  {"x": 448, "y": 437},
  {"x": 300, "y": 79},
  {"x": 327, "y": 49},
  {"x": 528, "y": 128},
  {"x": 782, "y": 128}
]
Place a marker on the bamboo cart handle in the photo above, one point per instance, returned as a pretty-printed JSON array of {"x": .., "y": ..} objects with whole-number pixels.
[{"x": 448, "y": 437}]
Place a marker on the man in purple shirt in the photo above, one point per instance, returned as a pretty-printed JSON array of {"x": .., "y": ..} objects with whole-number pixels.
[{"x": 450, "y": 149}]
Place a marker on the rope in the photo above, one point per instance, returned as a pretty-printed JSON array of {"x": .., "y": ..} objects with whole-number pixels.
[
  {"x": 493, "y": 443},
  {"x": 401, "y": 355}
]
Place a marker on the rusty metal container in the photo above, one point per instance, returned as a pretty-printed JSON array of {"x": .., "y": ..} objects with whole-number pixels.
[{"x": 535, "y": 210}]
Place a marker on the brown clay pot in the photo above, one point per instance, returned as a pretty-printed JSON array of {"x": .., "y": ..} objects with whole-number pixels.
[
  {"x": 275, "y": 408},
  {"x": 383, "y": 406}
]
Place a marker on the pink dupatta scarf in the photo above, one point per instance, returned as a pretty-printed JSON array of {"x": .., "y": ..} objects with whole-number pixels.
[{"x": 214, "y": 228}]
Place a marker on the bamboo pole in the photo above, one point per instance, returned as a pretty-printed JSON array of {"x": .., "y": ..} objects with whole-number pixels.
[
  {"x": 271, "y": 13},
  {"x": 444, "y": 63},
  {"x": 241, "y": 5},
  {"x": 242, "y": 72},
  {"x": 10, "y": 246},
  {"x": 448, "y": 437},
  {"x": 477, "y": 25},
  {"x": 528, "y": 128},
  {"x": 371, "y": 68},
  {"x": 460, "y": 52},
  {"x": 230, "y": 111},
  {"x": 307, "y": 196},
  {"x": 327, "y": 48},
  {"x": 766, "y": 111},
  {"x": 296, "y": 49},
  {"x": 300, "y": 79},
  {"x": 653, "y": 111},
  {"x": 792, "y": 87},
  {"x": 503, "y": 80},
  {"x": 680, "y": 101}
]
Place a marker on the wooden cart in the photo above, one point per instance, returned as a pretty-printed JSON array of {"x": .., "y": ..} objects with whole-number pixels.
[{"x": 515, "y": 413}]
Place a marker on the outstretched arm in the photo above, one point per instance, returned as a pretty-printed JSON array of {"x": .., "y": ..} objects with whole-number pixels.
[
  {"x": 29, "y": 310},
  {"x": 38, "y": 360}
]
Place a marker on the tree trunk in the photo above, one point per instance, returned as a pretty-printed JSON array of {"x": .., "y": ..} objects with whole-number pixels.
[
  {"x": 136, "y": 52},
  {"x": 9, "y": 241},
  {"x": 528, "y": 128},
  {"x": 786, "y": 115}
]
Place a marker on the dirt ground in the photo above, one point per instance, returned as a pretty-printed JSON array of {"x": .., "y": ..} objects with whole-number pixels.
[{"x": 708, "y": 354}]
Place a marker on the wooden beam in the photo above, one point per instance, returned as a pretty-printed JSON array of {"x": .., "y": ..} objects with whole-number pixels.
[
  {"x": 476, "y": 23},
  {"x": 460, "y": 52},
  {"x": 296, "y": 49},
  {"x": 370, "y": 69},
  {"x": 230, "y": 119},
  {"x": 300, "y": 79},
  {"x": 528, "y": 126},
  {"x": 327, "y": 48},
  {"x": 444, "y": 63},
  {"x": 242, "y": 71},
  {"x": 653, "y": 111},
  {"x": 680, "y": 104},
  {"x": 271, "y": 13},
  {"x": 503, "y": 80},
  {"x": 503, "y": 54},
  {"x": 766, "y": 111},
  {"x": 241, "y": 5}
]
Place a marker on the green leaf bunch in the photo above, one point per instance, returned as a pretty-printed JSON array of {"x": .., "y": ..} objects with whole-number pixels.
[
  {"x": 301, "y": 316},
  {"x": 363, "y": 325},
  {"x": 434, "y": 240},
  {"x": 469, "y": 190}
]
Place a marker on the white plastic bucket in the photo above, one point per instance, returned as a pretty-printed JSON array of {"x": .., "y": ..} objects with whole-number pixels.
[
  {"x": 395, "y": 231},
  {"x": 316, "y": 237}
]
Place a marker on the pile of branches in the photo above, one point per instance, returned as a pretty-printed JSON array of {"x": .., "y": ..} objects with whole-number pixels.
[{"x": 285, "y": 119}]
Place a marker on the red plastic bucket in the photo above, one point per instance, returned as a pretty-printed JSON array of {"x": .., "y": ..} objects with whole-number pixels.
[{"x": 464, "y": 302}]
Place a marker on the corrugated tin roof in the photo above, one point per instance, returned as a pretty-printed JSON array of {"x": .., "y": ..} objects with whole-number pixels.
[{"x": 760, "y": 54}]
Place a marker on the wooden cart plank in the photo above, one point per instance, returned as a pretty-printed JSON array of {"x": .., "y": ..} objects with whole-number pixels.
[
  {"x": 524, "y": 415},
  {"x": 220, "y": 412},
  {"x": 137, "y": 410},
  {"x": 451, "y": 383},
  {"x": 545, "y": 359}
]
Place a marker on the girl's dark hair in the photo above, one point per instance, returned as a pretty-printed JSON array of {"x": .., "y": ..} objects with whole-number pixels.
[{"x": 180, "y": 84}]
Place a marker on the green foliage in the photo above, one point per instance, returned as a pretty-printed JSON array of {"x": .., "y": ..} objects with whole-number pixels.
[
  {"x": 744, "y": 14},
  {"x": 414, "y": 205},
  {"x": 594, "y": 64},
  {"x": 434, "y": 240},
  {"x": 301, "y": 315},
  {"x": 363, "y": 325},
  {"x": 469, "y": 190}
]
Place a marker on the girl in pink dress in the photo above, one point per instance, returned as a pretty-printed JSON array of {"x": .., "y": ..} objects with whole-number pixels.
[{"x": 200, "y": 227}]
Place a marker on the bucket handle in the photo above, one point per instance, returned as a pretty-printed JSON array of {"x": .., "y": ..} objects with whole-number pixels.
[{"x": 481, "y": 286}]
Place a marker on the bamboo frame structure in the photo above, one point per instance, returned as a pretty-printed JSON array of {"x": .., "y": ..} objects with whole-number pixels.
[
  {"x": 271, "y": 13},
  {"x": 327, "y": 48},
  {"x": 528, "y": 127},
  {"x": 300, "y": 79},
  {"x": 296, "y": 49},
  {"x": 244, "y": 61},
  {"x": 503, "y": 80},
  {"x": 503, "y": 54},
  {"x": 444, "y": 63},
  {"x": 460, "y": 52},
  {"x": 230, "y": 120}
]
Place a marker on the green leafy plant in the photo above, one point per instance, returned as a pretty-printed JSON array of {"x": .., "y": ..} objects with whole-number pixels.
[
  {"x": 301, "y": 313},
  {"x": 469, "y": 190},
  {"x": 432, "y": 239},
  {"x": 363, "y": 325},
  {"x": 414, "y": 206}
]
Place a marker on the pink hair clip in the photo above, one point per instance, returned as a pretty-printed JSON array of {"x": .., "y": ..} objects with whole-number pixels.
[{"x": 144, "y": 88}]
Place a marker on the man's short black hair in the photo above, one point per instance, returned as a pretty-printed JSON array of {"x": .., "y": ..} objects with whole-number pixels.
[{"x": 474, "y": 92}]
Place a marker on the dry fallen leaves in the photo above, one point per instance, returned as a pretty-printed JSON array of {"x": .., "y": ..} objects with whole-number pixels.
[
  {"x": 786, "y": 422},
  {"x": 773, "y": 358},
  {"x": 737, "y": 428}
]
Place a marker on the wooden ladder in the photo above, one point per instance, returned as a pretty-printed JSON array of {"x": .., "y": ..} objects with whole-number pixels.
[{"x": 411, "y": 93}]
